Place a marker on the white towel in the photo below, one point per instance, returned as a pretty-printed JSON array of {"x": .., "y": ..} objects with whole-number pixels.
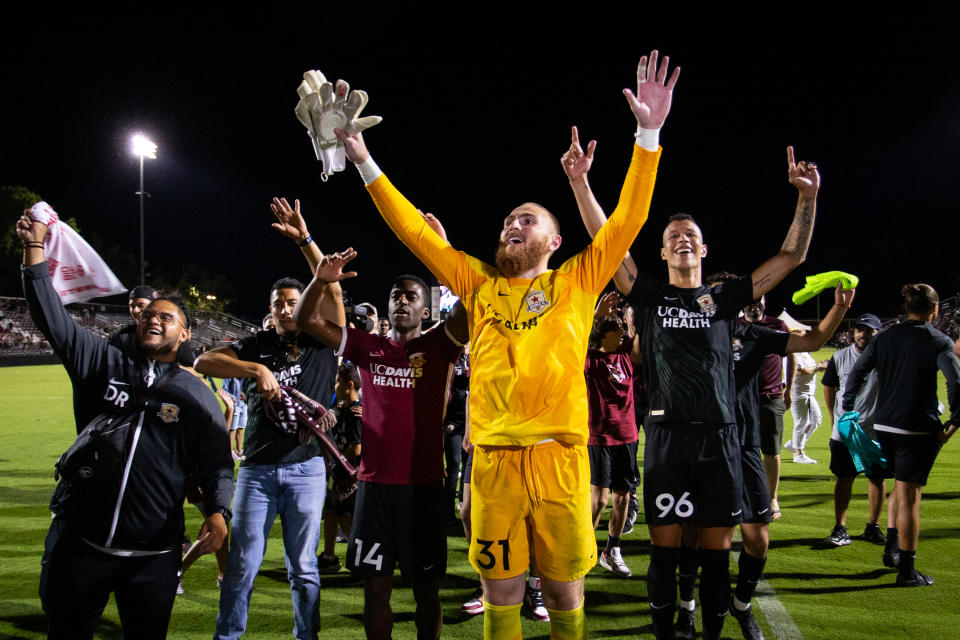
[{"x": 77, "y": 272}]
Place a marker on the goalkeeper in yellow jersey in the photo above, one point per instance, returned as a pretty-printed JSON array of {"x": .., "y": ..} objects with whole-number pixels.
[{"x": 529, "y": 329}]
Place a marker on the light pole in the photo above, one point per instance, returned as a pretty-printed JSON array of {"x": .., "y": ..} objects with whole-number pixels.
[{"x": 143, "y": 148}]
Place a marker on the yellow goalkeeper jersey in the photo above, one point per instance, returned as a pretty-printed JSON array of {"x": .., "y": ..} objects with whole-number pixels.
[{"x": 528, "y": 337}]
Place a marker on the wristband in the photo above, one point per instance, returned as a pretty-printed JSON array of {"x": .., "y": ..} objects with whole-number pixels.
[
  {"x": 648, "y": 139},
  {"x": 34, "y": 244},
  {"x": 369, "y": 170},
  {"x": 305, "y": 241}
]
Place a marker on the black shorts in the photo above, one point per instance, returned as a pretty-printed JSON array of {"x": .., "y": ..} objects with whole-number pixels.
[
  {"x": 756, "y": 493},
  {"x": 909, "y": 457},
  {"x": 691, "y": 473},
  {"x": 841, "y": 463},
  {"x": 771, "y": 425},
  {"x": 614, "y": 466},
  {"x": 399, "y": 524}
]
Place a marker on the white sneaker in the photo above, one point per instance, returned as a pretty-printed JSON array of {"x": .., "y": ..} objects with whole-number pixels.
[
  {"x": 613, "y": 562},
  {"x": 802, "y": 458},
  {"x": 788, "y": 445},
  {"x": 474, "y": 605}
]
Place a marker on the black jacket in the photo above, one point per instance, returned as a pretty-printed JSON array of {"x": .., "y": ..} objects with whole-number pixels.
[{"x": 169, "y": 429}]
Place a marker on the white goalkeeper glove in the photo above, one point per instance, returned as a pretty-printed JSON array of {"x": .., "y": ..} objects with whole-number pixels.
[{"x": 323, "y": 108}]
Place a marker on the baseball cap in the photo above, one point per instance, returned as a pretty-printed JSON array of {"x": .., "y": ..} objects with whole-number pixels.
[{"x": 868, "y": 320}]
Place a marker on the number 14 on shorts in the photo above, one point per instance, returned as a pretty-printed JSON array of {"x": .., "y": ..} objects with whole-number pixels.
[
  {"x": 372, "y": 557},
  {"x": 681, "y": 506}
]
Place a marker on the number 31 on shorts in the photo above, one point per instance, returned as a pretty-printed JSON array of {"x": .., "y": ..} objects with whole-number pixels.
[
  {"x": 488, "y": 561},
  {"x": 681, "y": 506}
]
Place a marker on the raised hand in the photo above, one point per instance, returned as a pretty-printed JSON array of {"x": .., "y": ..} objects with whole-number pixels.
[
  {"x": 609, "y": 302},
  {"x": 576, "y": 163},
  {"x": 651, "y": 103},
  {"x": 354, "y": 145},
  {"x": 434, "y": 224},
  {"x": 289, "y": 221},
  {"x": 843, "y": 297},
  {"x": 803, "y": 175},
  {"x": 331, "y": 266},
  {"x": 29, "y": 230}
]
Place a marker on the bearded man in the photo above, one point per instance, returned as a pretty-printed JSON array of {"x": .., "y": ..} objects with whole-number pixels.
[{"x": 529, "y": 329}]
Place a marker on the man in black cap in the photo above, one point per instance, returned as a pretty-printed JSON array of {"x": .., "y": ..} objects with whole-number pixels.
[{"x": 841, "y": 463}]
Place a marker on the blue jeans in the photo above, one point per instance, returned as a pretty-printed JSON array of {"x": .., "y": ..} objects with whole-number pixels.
[{"x": 295, "y": 492}]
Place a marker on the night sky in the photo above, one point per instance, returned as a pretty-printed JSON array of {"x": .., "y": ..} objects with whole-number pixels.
[{"x": 476, "y": 116}]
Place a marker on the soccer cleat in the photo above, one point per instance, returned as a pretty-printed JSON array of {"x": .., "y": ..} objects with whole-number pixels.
[
  {"x": 748, "y": 625},
  {"x": 627, "y": 528},
  {"x": 179, "y": 586},
  {"x": 686, "y": 624},
  {"x": 873, "y": 534},
  {"x": 891, "y": 558},
  {"x": 839, "y": 536},
  {"x": 918, "y": 580},
  {"x": 474, "y": 605},
  {"x": 533, "y": 603},
  {"x": 802, "y": 458},
  {"x": 613, "y": 562},
  {"x": 326, "y": 566}
]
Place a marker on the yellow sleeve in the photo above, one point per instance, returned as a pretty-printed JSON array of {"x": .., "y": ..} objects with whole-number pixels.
[
  {"x": 598, "y": 262},
  {"x": 446, "y": 263}
]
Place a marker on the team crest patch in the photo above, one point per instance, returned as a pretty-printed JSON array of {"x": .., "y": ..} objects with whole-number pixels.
[
  {"x": 707, "y": 305},
  {"x": 536, "y": 302},
  {"x": 417, "y": 360},
  {"x": 169, "y": 412}
]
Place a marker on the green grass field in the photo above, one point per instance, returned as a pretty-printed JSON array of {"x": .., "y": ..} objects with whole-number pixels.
[{"x": 828, "y": 592}]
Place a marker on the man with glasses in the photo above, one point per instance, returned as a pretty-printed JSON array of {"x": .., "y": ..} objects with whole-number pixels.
[{"x": 153, "y": 423}]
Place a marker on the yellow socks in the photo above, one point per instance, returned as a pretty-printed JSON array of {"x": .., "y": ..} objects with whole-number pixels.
[
  {"x": 568, "y": 625},
  {"x": 502, "y": 622}
]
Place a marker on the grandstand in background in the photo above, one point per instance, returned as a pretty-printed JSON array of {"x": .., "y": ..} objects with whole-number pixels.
[{"x": 22, "y": 343}]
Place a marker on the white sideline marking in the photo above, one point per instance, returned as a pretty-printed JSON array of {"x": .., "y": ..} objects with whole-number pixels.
[{"x": 782, "y": 626}]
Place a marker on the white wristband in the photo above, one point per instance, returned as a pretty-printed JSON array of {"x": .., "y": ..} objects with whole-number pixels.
[
  {"x": 369, "y": 170},
  {"x": 648, "y": 139}
]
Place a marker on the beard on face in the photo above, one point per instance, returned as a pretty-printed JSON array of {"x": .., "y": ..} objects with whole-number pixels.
[{"x": 515, "y": 261}]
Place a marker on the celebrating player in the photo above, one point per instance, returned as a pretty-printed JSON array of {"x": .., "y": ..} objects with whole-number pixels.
[
  {"x": 691, "y": 452},
  {"x": 399, "y": 516},
  {"x": 529, "y": 328}
]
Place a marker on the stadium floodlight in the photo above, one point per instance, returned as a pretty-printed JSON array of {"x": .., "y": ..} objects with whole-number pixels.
[{"x": 143, "y": 148}]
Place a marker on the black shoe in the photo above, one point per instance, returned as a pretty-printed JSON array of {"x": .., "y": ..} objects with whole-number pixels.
[
  {"x": 873, "y": 534},
  {"x": 686, "y": 624},
  {"x": 748, "y": 626},
  {"x": 891, "y": 558},
  {"x": 327, "y": 566},
  {"x": 918, "y": 580}
]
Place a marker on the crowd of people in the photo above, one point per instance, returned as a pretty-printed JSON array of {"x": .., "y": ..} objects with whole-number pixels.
[{"x": 551, "y": 390}]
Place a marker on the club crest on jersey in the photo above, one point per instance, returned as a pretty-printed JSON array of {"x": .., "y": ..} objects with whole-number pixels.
[
  {"x": 536, "y": 302},
  {"x": 169, "y": 412},
  {"x": 417, "y": 359},
  {"x": 616, "y": 373},
  {"x": 707, "y": 305}
]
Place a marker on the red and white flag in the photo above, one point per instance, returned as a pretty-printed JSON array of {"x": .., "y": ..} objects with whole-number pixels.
[{"x": 77, "y": 271}]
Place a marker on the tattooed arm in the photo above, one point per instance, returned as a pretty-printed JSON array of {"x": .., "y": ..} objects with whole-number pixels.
[{"x": 804, "y": 176}]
